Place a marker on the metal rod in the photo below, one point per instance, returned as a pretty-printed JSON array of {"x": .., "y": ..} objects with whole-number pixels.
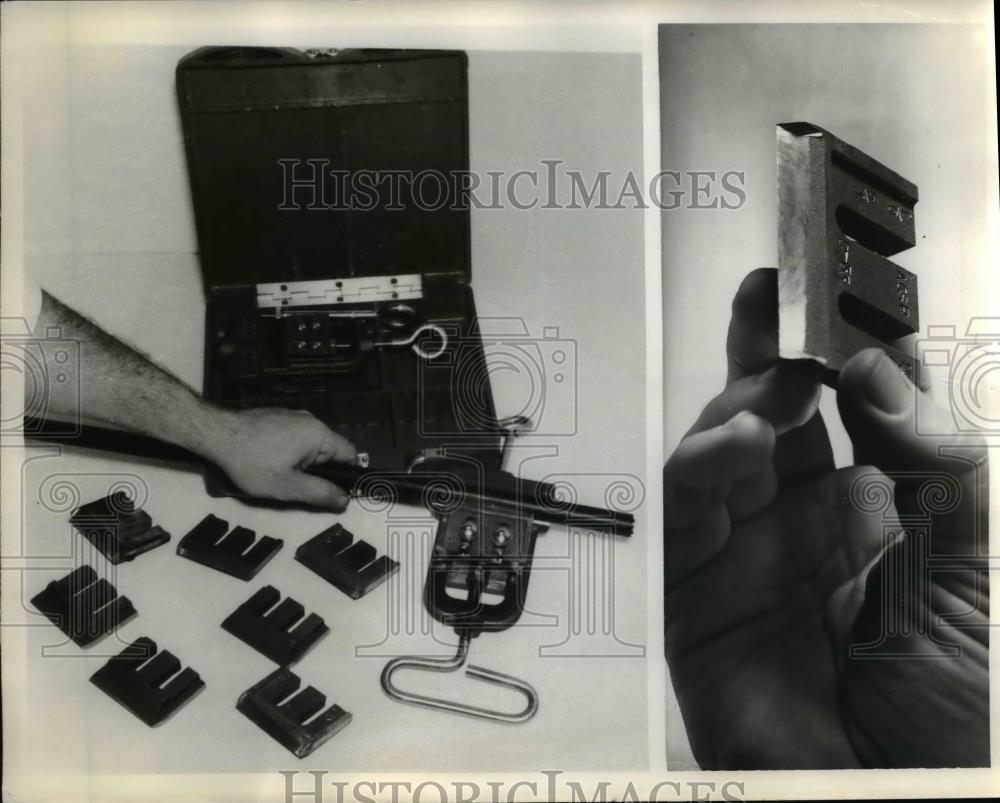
[
  {"x": 476, "y": 672},
  {"x": 535, "y": 499}
]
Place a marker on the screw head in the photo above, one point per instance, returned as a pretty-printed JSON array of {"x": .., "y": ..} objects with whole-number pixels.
[{"x": 468, "y": 531}]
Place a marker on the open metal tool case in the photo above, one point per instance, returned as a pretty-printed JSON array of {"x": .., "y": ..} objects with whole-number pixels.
[
  {"x": 335, "y": 288},
  {"x": 329, "y": 286}
]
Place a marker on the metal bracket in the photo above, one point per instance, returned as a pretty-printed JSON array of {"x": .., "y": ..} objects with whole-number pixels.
[
  {"x": 350, "y": 566},
  {"x": 474, "y": 672},
  {"x": 209, "y": 545},
  {"x": 479, "y": 570},
  {"x": 136, "y": 677},
  {"x": 283, "y": 721},
  {"x": 333, "y": 292},
  {"x": 345, "y": 336},
  {"x": 117, "y": 529},
  {"x": 83, "y": 607}
]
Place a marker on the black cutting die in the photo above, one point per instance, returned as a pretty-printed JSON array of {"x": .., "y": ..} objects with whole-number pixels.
[
  {"x": 352, "y": 566},
  {"x": 284, "y": 720},
  {"x": 237, "y": 552},
  {"x": 149, "y": 683},
  {"x": 116, "y": 528},
  {"x": 83, "y": 606},
  {"x": 267, "y": 625}
]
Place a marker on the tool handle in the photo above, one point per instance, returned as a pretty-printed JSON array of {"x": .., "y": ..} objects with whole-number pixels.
[{"x": 423, "y": 486}]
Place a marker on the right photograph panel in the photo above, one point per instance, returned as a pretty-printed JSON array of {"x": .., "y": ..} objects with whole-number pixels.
[{"x": 830, "y": 393}]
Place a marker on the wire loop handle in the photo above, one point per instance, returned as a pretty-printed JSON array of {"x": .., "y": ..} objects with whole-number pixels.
[{"x": 476, "y": 672}]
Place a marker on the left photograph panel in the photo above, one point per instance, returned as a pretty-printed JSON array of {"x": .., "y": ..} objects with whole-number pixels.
[{"x": 333, "y": 444}]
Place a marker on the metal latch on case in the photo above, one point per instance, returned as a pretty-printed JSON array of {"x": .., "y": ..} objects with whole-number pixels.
[{"x": 311, "y": 334}]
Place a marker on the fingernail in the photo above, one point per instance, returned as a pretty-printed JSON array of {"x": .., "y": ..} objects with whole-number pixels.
[
  {"x": 886, "y": 387},
  {"x": 737, "y": 419}
]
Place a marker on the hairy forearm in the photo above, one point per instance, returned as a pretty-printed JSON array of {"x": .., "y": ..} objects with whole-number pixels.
[{"x": 114, "y": 384}]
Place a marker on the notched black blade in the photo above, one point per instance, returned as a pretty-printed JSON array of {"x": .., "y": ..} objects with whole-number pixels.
[
  {"x": 286, "y": 722},
  {"x": 350, "y": 566},
  {"x": 116, "y": 528},
  {"x": 147, "y": 682},
  {"x": 282, "y": 633},
  {"x": 234, "y": 553},
  {"x": 83, "y": 606}
]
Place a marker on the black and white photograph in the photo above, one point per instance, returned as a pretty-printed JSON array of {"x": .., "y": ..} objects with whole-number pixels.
[
  {"x": 830, "y": 400},
  {"x": 497, "y": 401},
  {"x": 333, "y": 457}
]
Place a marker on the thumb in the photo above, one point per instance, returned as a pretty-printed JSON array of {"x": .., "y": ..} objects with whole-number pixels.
[
  {"x": 939, "y": 475},
  {"x": 892, "y": 425},
  {"x": 337, "y": 448}
]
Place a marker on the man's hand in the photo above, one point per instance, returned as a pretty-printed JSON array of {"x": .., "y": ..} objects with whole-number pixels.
[
  {"x": 776, "y": 563},
  {"x": 266, "y": 452}
]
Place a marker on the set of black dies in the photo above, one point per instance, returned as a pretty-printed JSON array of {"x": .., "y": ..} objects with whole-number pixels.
[
  {"x": 150, "y": 682},
  {"x": 147, "y": 681},
  {"x": 276, "y": 628}
]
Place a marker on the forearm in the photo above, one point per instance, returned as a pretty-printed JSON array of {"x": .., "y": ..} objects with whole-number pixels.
[{"x": 115, "y": 385}]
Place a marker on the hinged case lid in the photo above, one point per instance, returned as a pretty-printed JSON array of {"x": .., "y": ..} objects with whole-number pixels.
[{"x": 319, "y": 164}]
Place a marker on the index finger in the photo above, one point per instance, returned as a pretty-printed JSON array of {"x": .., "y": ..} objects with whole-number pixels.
[{"x": 332, "y": 446}]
